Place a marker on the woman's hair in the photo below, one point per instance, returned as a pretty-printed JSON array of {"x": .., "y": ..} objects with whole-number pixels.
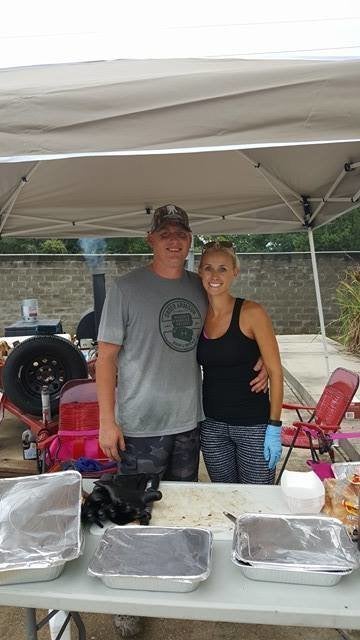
[{"x": 221, "y": 246}]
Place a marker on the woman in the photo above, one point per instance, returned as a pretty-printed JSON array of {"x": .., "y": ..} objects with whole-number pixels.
[{"x": 241, "y": 435}]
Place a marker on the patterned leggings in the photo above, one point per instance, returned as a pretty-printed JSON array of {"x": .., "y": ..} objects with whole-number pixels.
[{"x": 235, "y": 453}]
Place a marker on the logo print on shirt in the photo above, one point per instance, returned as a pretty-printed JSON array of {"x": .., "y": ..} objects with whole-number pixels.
[{"x": 180, "y": 324}]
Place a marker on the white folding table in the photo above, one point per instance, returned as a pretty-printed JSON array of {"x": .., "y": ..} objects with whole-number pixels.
[{"x": 225, "y": 596}]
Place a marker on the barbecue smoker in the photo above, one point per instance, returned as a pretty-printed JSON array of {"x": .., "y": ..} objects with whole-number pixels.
[
  {"x": 89, "y": 322},
  {"x": 35, "y": 371}
]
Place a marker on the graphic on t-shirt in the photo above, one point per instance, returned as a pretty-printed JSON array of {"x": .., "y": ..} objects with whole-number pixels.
[{"x": 180, "y": 324}]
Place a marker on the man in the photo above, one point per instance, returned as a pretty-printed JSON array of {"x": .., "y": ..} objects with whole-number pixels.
[
  {"x": 150, "y": 324},
  {"x": 147, "y": 337}
]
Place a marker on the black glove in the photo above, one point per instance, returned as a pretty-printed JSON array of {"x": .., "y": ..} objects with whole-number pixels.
[{"x": 122, "y": 499}]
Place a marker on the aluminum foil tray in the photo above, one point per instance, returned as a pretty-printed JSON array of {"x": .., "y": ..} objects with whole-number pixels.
[
  {"x": 39, "y": 525},
  {"x": 17, "y": 576},
  {"x": 316, "y": 543},
  {"x": 268, "y": 574},
  {"x": 153, "y": 558}
]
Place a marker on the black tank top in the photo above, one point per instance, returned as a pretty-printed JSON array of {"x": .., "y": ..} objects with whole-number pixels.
[{"x": 227, "y": 364}]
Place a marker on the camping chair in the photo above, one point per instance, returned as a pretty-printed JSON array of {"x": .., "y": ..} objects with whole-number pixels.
[
  {"x": 78, "y": 432},
  {"x": 318, "y": 432}
]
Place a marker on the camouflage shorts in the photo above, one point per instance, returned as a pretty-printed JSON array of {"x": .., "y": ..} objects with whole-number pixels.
[{"x": 173, "y": 457}]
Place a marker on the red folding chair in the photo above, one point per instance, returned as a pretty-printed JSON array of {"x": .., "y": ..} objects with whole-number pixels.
[
  {"x": 321, "y": 429},
  {"x": 78, "y": 432}
]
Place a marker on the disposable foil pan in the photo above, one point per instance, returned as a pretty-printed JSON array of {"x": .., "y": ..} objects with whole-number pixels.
[
  {"x": 153, "y": 558},
  {"x": 269, "y": 574},
  {"x": 316, "y": 543},
  {"x": 17, "y": 576},
  {"x": 39, "y": 526}
]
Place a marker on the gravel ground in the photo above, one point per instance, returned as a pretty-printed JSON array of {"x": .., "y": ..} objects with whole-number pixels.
[{"x": 100, "y": 627}]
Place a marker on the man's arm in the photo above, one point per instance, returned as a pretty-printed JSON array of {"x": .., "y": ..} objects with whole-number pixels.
[
  {"x": 261, "y": 382},
  {"x": 111, "y": 438}
]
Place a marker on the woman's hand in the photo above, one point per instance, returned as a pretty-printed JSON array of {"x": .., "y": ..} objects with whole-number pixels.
[
  {"x": 272, "y": 445},
  {"x": 260, "y": 383}
]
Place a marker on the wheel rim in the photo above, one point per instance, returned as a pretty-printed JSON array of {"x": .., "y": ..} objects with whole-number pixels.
[{"x": 45, "y": 370}]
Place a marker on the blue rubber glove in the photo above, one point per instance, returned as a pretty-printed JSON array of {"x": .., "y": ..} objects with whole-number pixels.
[{"x": 272, "y": 445}]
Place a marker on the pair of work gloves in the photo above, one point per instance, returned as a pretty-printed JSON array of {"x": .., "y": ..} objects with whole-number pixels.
[
  {"x": 122, "y": 499},
  {"x": 272, "y": 445}
]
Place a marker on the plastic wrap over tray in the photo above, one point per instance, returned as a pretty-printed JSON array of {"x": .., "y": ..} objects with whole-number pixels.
[
  {"x": 39, "y": 525},
  {"x": 153, "y": 558},
  {"x": 346, "y": 470},
  {"x": 295, "y": 576},
  {"x": 315, "y": 543}
]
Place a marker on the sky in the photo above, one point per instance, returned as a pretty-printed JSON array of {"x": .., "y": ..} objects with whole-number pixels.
[{"x": 48, "y": 32}]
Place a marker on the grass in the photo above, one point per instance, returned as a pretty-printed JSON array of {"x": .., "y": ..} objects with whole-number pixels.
[{"x": 348, "y": 299}]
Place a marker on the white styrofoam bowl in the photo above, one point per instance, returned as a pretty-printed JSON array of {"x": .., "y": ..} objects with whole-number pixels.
[{"x": 303, "y": 491}]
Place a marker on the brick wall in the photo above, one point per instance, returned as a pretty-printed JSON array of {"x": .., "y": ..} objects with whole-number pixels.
[{"x": 282, "y": 282}]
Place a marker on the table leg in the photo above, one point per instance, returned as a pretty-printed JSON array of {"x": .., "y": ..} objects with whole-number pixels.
[
  {"x": 343, "y": 634},
  {"x": 31, "y": 626},
  {"x": 79, "y": 624}
]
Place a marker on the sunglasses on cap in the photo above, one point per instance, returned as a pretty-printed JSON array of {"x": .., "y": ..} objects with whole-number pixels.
[{"x": 218, "y": 244}]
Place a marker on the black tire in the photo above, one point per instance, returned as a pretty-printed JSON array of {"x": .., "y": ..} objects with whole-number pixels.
[{"x": 37, "y": 361}]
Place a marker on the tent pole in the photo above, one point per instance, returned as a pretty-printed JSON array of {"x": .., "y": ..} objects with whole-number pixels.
[
  {"x": 9, "y": 204},
  {"x": 269, "y": 178},
  {"x": 326, "y": 197},
  {"x": 318, "y": 297},
  {"x": 190, "y": 261}
]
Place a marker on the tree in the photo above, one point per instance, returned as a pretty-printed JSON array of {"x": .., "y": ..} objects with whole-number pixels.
[
  {"x": 127, "y": 245},
  {"x": 72, "y": 246},
  {"x": 19, "y": 245},
  {"x": 52, "y": 246},
  {"x": 341, "y": 235}
]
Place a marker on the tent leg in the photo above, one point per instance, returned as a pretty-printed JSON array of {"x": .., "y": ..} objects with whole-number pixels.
[
  {"x": 318, "y": 297},
  {"x": 190, "y": 261}
]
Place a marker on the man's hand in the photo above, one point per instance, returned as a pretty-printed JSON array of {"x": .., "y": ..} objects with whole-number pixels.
[
  {"x": 111, "y": 440},
  {"x": 260, "y": 383}
]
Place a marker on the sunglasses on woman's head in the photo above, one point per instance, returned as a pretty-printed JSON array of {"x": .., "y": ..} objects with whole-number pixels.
[{"x": 218, "y": 244}]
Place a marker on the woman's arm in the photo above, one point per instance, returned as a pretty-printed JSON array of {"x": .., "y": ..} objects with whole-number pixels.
[{"x": 259, "y": 326}]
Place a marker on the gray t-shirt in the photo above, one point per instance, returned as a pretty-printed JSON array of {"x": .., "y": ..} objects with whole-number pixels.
[{"x": 157, "y": 321}]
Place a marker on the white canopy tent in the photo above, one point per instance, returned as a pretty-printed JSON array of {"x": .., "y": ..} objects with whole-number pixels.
[{"x": 245, "y": 146}]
